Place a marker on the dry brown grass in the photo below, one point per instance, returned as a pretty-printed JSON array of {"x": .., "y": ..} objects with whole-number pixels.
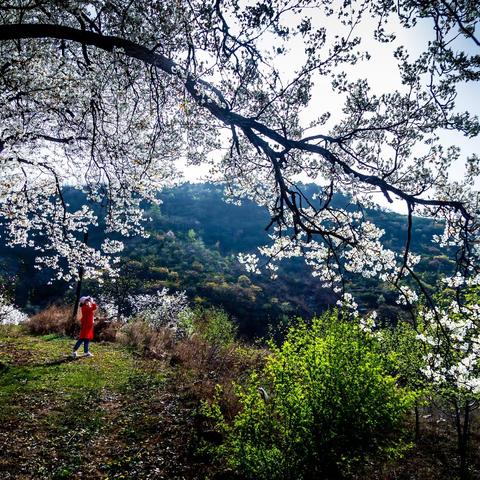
[
  {"x": 198, "y": 365},
  {"x": 106, "y": 330},
  {"x": 54, "y": 319},
  {"x": 202, "y": 366},
  {"x": 145, "y": 340},
  {"x": 58, "y": 319},
  {"x": 434, "y": 455}
]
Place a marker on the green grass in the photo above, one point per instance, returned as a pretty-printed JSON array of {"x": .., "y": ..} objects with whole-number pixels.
[
  {"x": 38, "y": 365},
  {"x": 98, "y": 417}
]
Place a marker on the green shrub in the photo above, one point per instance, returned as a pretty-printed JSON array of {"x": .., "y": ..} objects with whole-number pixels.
[
  {"x": 322, "y": 405},
  {"x": 405, "y": 356},
  {"x": 215, "y": 326}
]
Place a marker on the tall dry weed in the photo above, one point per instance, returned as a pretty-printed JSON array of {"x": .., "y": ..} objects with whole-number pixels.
[
  {"x": 54, "y": 319},
  {"x": 202, "y": 366},
  {"x": 58, "y": 319},
  {"x": 145, "y": 340}
]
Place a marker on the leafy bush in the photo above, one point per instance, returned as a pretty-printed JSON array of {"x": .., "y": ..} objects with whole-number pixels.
[
  {"x": 323, "y": 404},
  {"x": 215, "y": 326},
  {"x": 404, "y": 354}
]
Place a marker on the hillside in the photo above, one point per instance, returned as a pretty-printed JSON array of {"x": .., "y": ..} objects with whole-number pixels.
[{"x": 194, "y": 239}]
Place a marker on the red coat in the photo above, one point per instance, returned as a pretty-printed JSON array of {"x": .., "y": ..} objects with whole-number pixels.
[{"x": 86, "y": 331}]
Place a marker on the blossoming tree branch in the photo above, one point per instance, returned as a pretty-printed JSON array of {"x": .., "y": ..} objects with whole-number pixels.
[{"x": 107, "y": 95}]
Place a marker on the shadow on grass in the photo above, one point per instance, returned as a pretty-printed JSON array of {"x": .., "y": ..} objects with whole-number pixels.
[{"x": 53, "y": 363}]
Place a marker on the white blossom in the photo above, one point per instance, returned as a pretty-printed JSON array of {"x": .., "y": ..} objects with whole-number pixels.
[
  {"x": 407, "y": 296},
  {"x": 111, "y": 118},
  {"x": 250, "y": 261},
  {"x": 10, "y": 314},
  {"x": 162, "y": 309},
  {"x": 452, "y": 337},
  {"x": 368, "y": 323}
]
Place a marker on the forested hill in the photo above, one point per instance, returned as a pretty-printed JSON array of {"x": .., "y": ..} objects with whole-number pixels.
[
  {"x": 194, "y": 239},
  {"x": 233, "y": 229}
]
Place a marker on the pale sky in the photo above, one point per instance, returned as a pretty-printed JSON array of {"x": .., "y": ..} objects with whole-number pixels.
[{"x": 382, "y": 74}]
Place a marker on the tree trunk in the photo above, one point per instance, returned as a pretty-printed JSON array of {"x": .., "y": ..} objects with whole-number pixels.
[
  {"x": 464, "y": 475},
  {"x": 417, "y": 423},
  {"x": 78, "y": 290},
  {"x": 463, "y": 433}
]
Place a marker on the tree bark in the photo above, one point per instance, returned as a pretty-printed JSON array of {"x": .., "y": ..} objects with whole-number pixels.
[
  {"x": 417, "y": 423},
  {"x": 463, "y": 432},
  {"x": 464, "y": 474},
  {"x": 78, "y": 290}
]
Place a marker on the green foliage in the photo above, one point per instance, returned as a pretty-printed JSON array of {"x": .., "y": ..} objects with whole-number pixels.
[
  {"x": 404, "y": 355},
  {"x": 215, "y": 326},
  {"x": 323, "y": 405}
]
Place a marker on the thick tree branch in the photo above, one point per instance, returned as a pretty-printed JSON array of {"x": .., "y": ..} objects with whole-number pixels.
[
  {"x": 220, "y": 109},
  {"x": 467, "y": 31}
]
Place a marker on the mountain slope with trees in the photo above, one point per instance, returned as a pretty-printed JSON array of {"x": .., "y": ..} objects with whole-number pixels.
[{"x": 193, "y": 243}]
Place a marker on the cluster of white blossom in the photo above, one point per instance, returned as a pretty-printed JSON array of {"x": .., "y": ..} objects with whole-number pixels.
[
  {"x": 452, "y": 340},
  {"x": 368, "y": 322},
  {"x": 407, "y": 296},
  {"x": 455, "y": 281},
  {"x": 250, "y": 261},
  {"x": 99, "y": 128},
  {"x": 128, "y": 91},
  {"x": 356, "y": 248},
  {"x": 347, "y": 302},
  {"x": 110, "y": 308},
  {"x": 9, "y": 313},
  {"x": 162, "y": 309},
  {"x": 368, "y": 257}
]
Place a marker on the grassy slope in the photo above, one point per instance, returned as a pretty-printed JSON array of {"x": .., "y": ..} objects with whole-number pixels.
[
  {"x": 120, "y": 416},
  {"x": 110, "y": 416}
]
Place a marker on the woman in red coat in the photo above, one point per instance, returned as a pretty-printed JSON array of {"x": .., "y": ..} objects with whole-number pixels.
[{"x": 88, "y": 306}]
